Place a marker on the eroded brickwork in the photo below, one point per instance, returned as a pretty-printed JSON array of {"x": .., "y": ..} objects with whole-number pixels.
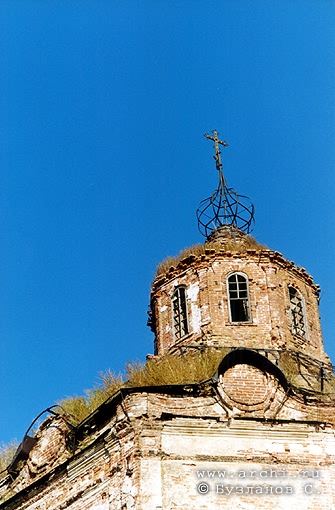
[
  {"x": 258, "y": 434},
  {"x": 269, "y": 276},
  {"x": 189, "y": 448}
]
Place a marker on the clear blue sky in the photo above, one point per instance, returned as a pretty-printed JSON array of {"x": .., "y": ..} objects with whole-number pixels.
[{"x": 103, "y": 108}]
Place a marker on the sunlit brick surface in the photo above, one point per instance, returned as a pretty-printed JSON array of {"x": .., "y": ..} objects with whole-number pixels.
[{"x": 246, "y": 439}]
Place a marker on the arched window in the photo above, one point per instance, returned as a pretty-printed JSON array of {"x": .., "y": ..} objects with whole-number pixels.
[
  {"x": 179, "y": 312},
  {"x": 298, "y": 318},
  {"x": 238, "y": 296}
]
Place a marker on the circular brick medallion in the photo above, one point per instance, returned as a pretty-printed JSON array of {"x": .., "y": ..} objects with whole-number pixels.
[
  {"x": 249, "y": 389},
  {"x": 246, "y": 384}
]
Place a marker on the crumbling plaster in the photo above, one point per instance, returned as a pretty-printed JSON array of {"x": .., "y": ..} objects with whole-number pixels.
[{"x": 269, "y": 276}]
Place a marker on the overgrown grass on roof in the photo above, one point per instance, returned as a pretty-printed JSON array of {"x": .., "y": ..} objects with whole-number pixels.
[
  {"x": 78, "y": 408},
  {"x": 171, "y": 369},
  {"x": 247, "y": 243},
  {"x": 300, "y": 372},
  {"x": 7, "y": 453},
  {"x": 192, "y": 367},
  {"x": 189, "y": 368}
]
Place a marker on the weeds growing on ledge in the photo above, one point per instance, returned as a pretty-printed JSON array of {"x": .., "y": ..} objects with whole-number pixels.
[
  {"x": 171, "y": 369},
  {"x": 248, "y": 243},
  {"x": 189, "y": 368},
  {"x": 7, "y": 453}
]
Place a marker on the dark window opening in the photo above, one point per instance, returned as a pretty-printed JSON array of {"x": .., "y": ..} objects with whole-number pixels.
[
  {"x": 238, "y": 298},
  {"x": 179, "y": 313}
]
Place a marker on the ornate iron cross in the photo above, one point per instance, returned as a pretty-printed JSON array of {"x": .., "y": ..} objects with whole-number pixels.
[
  {"x": 216, "y": 141},
  {"x": 225, "y": 206}
]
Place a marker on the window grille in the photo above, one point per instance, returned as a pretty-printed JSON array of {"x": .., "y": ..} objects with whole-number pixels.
[
  {"x": 298, "y": 321},
  {"x": 239, "y": 303},
  {"x": 179, "y": 312}
]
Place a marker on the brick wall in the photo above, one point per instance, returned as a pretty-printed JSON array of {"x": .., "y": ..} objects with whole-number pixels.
[
  {"x": 248, "y": 438},
  {"x": 155, "y": 449},
  {"x": 269, "y": 276}
]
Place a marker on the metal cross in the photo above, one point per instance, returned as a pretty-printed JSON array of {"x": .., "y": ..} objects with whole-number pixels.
[{"x": 217, "y": 148}]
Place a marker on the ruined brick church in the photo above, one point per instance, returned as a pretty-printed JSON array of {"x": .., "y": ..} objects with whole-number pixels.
[{"x": 255, "y": 433}]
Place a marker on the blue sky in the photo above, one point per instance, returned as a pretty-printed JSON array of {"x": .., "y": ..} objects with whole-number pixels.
[{"x": 103, "y": 108}]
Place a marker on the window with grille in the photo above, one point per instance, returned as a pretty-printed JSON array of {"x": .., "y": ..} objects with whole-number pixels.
[
  {"x": 298, "y": 320},
  {"x": 238, "y": 294},
  {"x": 179, "y": 312}
]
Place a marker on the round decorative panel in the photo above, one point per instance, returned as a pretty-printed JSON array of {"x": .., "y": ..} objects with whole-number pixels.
[
  {"x": 245, "y": 384},
  {"x": 247, "y": 389}
]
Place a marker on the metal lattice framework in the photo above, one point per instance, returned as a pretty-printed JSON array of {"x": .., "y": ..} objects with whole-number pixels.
[{"x": 225, "y": 206}]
